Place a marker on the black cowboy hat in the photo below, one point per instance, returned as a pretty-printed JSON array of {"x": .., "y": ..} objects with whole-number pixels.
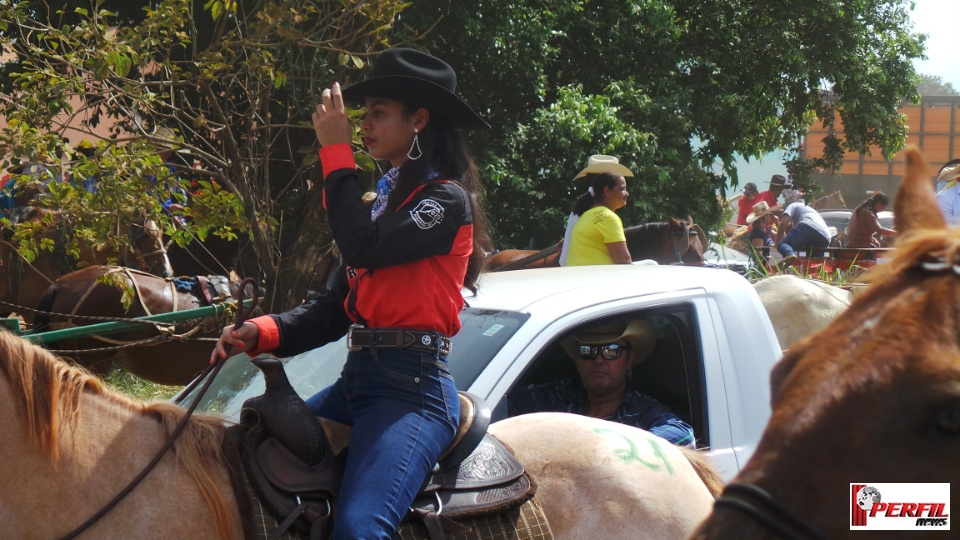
[{"x": 418, "y": 79}]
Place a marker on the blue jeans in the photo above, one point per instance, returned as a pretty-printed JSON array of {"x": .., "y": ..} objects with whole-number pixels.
[
  {"x": 801, "y": 236},
  {"x": 404, "y": 409}
]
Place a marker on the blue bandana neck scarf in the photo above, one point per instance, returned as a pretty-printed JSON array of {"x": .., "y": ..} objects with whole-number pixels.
[{"x": 385, "y": 185}]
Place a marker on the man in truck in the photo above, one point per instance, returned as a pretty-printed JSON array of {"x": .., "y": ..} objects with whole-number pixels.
[{"x": 605, "y": 356}]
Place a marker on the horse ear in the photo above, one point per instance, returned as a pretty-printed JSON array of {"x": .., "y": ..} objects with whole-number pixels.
[{"x": 915, "y": 206}]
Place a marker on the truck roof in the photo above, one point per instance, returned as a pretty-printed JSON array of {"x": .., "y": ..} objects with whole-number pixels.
[{"x": 517, "y": 290}]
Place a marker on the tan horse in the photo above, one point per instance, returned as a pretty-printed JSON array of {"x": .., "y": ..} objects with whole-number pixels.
[
  {"x": 674, "y": 241},
  {"x": 873, "y": 398},
  {"x": 799, "y": 307},
  {"x": 68, "y": 445}
]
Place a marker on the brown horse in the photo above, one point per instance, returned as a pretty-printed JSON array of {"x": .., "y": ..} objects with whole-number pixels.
[
  {"x": 23, "y": 282},
  {"x": 162, "y": 353},
  {"x": 65, "y": 433},
  {"x": 874, "y": 397},
  {"x": 667, "y": 242}
]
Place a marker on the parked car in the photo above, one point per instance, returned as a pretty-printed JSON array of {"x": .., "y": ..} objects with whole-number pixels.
[
  {"x": 837, "y": 221},
  {"x": 720, "y": 256},
  {"x": 711, "y": 363}
]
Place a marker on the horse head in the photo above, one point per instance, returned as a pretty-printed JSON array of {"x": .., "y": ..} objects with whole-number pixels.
[
  {"x": 146, "y": 238},
  {"x": 875, "y": 396},
  {"x": 686, "y": 242}
]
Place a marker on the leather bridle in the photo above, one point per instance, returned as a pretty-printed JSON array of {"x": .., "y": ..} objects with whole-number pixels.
[
  {"x": 212, "y": 371},
  {"x": 682, "y": 233},
  {"x": 762, "y": 507}
]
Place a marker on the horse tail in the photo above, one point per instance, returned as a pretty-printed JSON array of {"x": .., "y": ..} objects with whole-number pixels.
[
  {"x": 705, "y": 470},
  {"x": 41, "y": 323}
]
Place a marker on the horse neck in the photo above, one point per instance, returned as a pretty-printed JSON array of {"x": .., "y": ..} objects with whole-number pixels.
[
  {"x": 649, "y": 241},
  {"x": 99, "y": 455}
]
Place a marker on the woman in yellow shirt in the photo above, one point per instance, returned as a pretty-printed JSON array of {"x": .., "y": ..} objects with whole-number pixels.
[{"x": 597, "y": 236}]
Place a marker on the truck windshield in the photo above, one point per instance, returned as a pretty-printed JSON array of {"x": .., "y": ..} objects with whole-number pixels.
[{"x": 483, "y": 334}]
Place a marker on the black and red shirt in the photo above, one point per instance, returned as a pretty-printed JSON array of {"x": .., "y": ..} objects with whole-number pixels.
[{"x": 404, "y": 270}]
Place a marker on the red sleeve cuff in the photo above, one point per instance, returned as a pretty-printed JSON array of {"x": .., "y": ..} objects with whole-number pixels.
[
  {"x": 269, "y": 335},
  {"x": 335, "y": 157}
]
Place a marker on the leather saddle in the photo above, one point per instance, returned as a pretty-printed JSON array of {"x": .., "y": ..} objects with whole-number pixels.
[
  {"x": 211, "y": 289},
  {"x": 295, "y": 463}
]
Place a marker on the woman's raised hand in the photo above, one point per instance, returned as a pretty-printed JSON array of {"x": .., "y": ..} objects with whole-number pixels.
[
  {"x": 330, "y": 120},
  {"x": 242, "y": 339}
]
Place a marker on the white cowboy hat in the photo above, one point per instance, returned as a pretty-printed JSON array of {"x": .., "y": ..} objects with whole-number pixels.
[
  {"x": 949, "y": 172},
  {"x": 759, "y": 210},
  {"x": 599, "y": 163}
]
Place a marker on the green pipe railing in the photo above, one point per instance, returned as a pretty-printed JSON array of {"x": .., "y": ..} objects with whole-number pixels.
[{"x": 114, "y": 327}]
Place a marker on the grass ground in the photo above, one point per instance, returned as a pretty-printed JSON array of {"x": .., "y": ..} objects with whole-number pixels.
[{"x": 138, "y": 388}]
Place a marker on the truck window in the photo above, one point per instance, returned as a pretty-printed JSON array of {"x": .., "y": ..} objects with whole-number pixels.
[{"x": 672, "y": 373}]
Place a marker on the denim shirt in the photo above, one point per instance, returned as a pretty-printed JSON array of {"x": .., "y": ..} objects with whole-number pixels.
[{"x": 638, "y": 410}]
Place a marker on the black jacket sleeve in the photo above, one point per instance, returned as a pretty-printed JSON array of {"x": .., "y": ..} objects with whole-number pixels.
[
  {"x": 314, "y": 323},
  {"x": 427, "y": 225}
]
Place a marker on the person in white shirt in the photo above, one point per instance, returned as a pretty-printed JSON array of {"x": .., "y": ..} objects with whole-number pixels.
[
  {"x": 809, "y": 230},
  {"x": 948, "y": 192}
]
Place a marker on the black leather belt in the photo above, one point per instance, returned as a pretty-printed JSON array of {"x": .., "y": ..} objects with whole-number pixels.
[{"x": 359, "y": 337}]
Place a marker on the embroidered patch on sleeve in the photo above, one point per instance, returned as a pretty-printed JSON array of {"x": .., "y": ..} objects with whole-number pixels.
[{"x": 427, "y": 213}]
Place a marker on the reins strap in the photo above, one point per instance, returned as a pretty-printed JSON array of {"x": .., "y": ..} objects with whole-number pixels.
[
  {"x": 529, "y": 259},
  {"x": 773, "y": 522},
  {"x": 156, "y": 458},
  {"x": 212, "y": 371}
]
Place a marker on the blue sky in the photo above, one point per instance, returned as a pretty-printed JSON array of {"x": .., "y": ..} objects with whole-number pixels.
[{"x": 940, "y": 19}]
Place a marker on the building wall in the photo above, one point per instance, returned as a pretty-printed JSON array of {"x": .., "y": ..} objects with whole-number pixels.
[{"x": 933, "y": 126}]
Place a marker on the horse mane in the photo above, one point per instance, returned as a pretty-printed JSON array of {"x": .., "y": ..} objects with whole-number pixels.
[
  {"x": 49, "y": 392},
  {"x": 705, "y": 470}
]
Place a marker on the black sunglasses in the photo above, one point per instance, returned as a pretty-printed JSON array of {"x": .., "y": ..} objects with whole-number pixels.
[{"x": 607, "y": 352}]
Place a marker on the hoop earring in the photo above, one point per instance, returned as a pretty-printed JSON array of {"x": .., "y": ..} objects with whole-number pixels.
[{"x": 415, "y": 144}]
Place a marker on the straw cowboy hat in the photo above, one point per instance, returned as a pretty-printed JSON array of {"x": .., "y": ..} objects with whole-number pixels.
[
  {"x": 950, "y": 171},
  {"x": 759, "y": 210},
  {"x": 599, "y": 163},
  {"x": 418, "y": 79},
  {"x": 639, "y": 334}
]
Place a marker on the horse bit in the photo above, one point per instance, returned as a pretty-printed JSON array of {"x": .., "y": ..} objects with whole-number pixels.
[
  {"x": 770, "y": 512},
  {"x": 686, "y": 231}
]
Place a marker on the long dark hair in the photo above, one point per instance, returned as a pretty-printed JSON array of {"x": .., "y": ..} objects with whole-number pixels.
[
  {"x": 872, "y": 201},
  {"x": 598, "y": 181},
  {"x": 445, "y": 153}
]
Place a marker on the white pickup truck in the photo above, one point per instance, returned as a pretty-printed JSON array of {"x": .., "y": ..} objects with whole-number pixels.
[{"x": 711, "y": 364}]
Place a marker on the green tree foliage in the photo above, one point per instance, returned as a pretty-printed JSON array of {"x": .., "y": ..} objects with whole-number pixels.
[
  {"x": 675, "y": 88},
  {"x": 232, "y": 83},
  {"x": 933, "y": 85}
]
